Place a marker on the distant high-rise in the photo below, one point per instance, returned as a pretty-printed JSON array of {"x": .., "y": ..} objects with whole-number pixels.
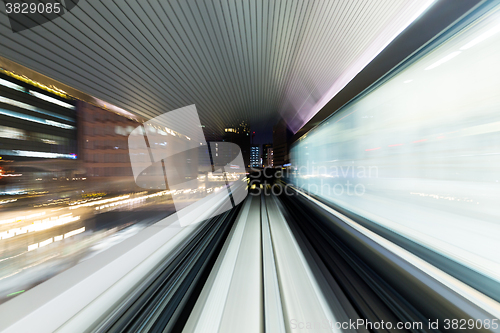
[
  {"x": 239, "y": 135},
  {"x": 266, "y": 149},
  {"x": 270, "y": 158},
  {"x": 255, "y": 156}
]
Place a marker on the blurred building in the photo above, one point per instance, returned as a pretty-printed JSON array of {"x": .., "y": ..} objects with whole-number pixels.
[
  {"x": 38, "y": 133},
  {"x": 35, "y": 123},
  {"x": 221, "y": 153},
  {"x": 103, "y": 144},
  {"x": 103, "y": 140}
]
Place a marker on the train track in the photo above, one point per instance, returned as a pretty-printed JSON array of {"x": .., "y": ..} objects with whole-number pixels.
[{"x": 276, "y": 264}]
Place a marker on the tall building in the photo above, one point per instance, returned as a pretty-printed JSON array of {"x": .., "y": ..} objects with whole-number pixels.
[
  {"x": 265, "y": 153},
  {"x": 270, "y": 158},
  {"x": 255, "y": 156},
  {"x": 281, "y": 137},
  {"x": 239, "y": 135}
]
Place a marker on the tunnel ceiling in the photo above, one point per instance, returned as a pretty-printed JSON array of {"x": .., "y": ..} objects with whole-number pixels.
[{"x": 236, "y": 60}]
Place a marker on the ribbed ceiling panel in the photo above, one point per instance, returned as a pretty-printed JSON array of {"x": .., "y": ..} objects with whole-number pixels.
[{"x": 236, "y": 60}]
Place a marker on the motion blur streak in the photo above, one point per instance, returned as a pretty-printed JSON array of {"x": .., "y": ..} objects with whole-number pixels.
[{"x": 419, "y": 154}]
